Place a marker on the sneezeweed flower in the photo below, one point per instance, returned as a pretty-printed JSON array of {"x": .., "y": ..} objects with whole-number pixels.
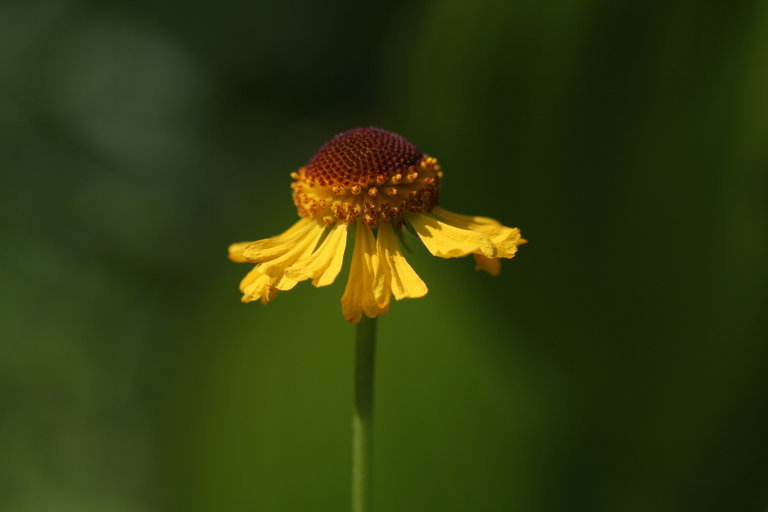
[
  {"x": 366, "y": 180},
  {"x": 376, "y": 183}
]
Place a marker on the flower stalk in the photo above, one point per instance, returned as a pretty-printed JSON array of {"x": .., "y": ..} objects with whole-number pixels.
[{"x": 362, "y": 416}]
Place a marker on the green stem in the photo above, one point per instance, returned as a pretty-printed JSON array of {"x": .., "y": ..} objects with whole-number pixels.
[{"x": 362, "y": 417}]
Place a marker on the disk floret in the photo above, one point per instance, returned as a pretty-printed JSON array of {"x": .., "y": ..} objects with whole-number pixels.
[{"x": 368, "y": 174}]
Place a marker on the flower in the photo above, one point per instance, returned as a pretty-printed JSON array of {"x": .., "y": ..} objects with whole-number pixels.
[{"x": 368, "y": 179}]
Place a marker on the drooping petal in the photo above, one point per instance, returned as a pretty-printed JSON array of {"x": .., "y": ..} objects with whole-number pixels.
[
  {"x": 284, "y": 283},
  {"x": 269, "y": 295},
  {"x": 352, "y": 299},
  {"x": 490, "y": 265},
  {"x": 380, "y": 283},
  {"x": 447, "y": 241},
  {"x": 236, "y": 251},
  {"x": 382, "y": 293},
  {"x": 269, "y": 248},
  {"x": 277, "y": 253},
  {"x": 254, "y": 285},
  {"x": 458, "y": 219},
  {"x": 505, "y": 239},
  {"x": 324, "y": 264},
  {"x": 257, "y": 286},
  {"x": 300, "y": 247},
  {"x": 363, "y": 293},
  {"x": 404, "y": 282}
]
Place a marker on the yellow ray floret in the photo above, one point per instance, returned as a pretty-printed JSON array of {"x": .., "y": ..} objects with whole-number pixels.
[
  {"x": 311, "y": 249},
  {"x": 366, "y": 291},
  {"x": 323, "y": 265},
  {"x": 505, "y": 239},
  {"x": 403, "y": 280},
  {"x": 449, "y": 241}
]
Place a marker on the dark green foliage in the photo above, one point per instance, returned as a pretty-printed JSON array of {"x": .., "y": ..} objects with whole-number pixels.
[{"x": 618, "y": 364}]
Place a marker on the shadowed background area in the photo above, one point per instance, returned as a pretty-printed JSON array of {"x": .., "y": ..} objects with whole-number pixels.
[{"x": 617, "y": 364}]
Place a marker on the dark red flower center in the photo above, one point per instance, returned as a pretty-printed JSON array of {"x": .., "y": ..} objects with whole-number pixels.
[
  {"x": 369, "y": 174},
  {"x": 362, "y": 153}
]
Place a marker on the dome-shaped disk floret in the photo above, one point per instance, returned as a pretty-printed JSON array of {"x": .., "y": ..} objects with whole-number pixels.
[{"x": 366, "y": 173}]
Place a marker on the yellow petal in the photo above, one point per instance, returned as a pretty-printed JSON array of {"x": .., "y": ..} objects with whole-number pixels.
[
  {"x": 456, "y": 218},
  {"x": 377, "y": 294},
  {"x": 359, "y": 295},
  {"x": 284, "y": 283},
  {"x": 236, "y": 251},
  {"x": 300, "y": 246},
  {"x": 352, "y": 301},
  {"x": 447, "y": 241},
  {"x": 505, "y": 239},
  {"x": 266, "y": 278},
  {"x": 268, "y": 296},
  {"x": 403, "y": 280},
  {"x": 324, "y": 264},
  {"x": 382, "y": 293},
  {"x": 257, "y": 285},
  {"x": 254, "y": 285},
  {"x": 269, "y": 248},
  {"x": 490, "y": 265}
]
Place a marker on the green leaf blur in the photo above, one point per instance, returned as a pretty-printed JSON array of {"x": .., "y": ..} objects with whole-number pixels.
[{"x": 617, "y": 364}]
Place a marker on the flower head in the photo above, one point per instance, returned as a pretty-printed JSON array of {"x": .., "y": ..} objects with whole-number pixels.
[{"x": 369, "y": 179}]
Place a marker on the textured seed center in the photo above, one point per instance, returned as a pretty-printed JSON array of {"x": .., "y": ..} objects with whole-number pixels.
[
  {"x": 361, "y": 155},
  {"x": 366, "y": 173}
]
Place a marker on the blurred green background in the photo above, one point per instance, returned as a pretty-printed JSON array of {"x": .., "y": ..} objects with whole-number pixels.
[{"x": 618, "y": 364}]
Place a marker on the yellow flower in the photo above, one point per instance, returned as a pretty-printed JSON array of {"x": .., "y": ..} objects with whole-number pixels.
[{"x": 368, "y": 179}]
